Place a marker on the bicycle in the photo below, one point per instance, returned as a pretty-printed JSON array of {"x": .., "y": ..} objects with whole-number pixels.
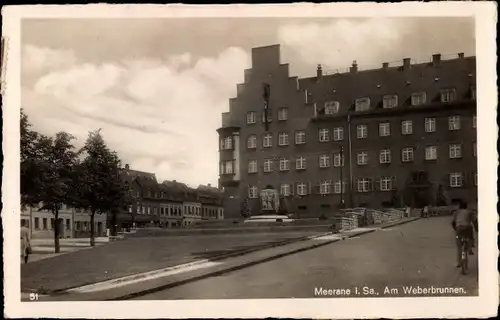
[{"x": 464, "y": 258}]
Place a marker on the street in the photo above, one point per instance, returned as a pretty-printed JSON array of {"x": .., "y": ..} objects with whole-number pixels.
[{"x": 420, "y": 254}]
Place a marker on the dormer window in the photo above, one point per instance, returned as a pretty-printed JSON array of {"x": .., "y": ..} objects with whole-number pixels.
[
  {"x": 362, "y": 104},
  {"x": 448, "y": 95},
  {"x": 331, "y": 107},
  {"x": 390, "y": 101},
  {"x": 418, "y": 98}
]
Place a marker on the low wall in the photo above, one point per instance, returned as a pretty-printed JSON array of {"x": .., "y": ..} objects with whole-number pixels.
[{"x": 157, "y": 232}]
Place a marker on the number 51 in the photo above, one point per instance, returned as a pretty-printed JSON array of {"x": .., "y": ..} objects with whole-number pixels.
[{"x": 33, "y": 296}]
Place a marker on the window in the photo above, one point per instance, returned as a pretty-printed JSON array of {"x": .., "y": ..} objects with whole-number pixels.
[
  {"x": 418, "y": 98},
  {"x": 227, "y": 143},
  {"x": 453, "y": 123},
  {"x": 301, "y": 189},
  {"x": 227, "y": 167},
  {"x": 474, "y": 121},
  {"x": 473, "y": 92},
  {"x": 324, "y": 161},
  {"x": 269, "y": 116},
  {"x": 283, "y": 139},
  {"x": 300, "y": 163},
  {"x": 430, "y": 124},
  {"x": 78, "y": 226},
  {"x": 149, "y": 210},
  {"x": 384, "y": 129},
  {"x": 285, "y": 189},
  {"x": 282, "y": 114},
  {"x": 407, "y": 154},
  {"x": 252, "y": 192},
  {"x": 252, "y": 142},
  {"x": 37, "y": 223},
  {"x": 331, "y": 107},
  {"x": 475, "y": 149},
  {"x": 406, "y": 127},
  {"x": 385, "y": 156},
  {"x": 363, "y": 185},
  {"x": 300, "y": 137},
  {"x": 338, "y": 134},
  {"x": 68, "y": 224},
  {"x": 455, "y": 151},
  {"x": 44, "y": 223},
  {"x": 447, "y": 95},
  {"x": 324, "y": 135},
  {"x": 456, "y": 179},
  {"x": 251, "y": 117},
  {"x": 339, "y": 187},
  {"x": 338, "y": 160},
  {"x": 362, "y": 104},
  {"x": 362, "y": 158},
  {"x": 431, "y": 153},
  {"x": 268, "y": 165},
  {"x": 362, "y": 131},
  {"x": 386, "y": 183},
  {"x": 284, "y": 164},
  {"x": 325, "y": 187},
  {"x": 390, "y": 101},
  {"x": 143, "y": 210},
  {"x": 268, "y": 140},
  {"x": 252, "y": 166}
]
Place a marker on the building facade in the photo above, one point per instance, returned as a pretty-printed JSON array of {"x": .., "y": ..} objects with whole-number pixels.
[
  {"x": 72, "y": 222},
  {"x": 397, "y": 135}
]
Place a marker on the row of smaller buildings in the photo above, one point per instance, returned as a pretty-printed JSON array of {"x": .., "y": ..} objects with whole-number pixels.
[{"x": 169, "y": 204}]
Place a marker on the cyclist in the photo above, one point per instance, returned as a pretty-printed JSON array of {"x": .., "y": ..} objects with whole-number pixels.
[{"x": 462, "y": 223}]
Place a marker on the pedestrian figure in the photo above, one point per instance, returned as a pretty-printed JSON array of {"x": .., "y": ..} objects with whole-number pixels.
[
  {"x": 25, "y": 241},
  {"x": 426, "y": 211},
  {"x": 408, "y": 211}
]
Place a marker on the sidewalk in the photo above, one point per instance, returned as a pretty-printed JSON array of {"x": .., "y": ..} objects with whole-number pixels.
[
  {"x": 43, "y": 248},
  {"x": 140, "y": 284}
]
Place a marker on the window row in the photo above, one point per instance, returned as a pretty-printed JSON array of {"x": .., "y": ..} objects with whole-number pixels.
[
  {"x": 361, "y": 185},
  {"x": 384, "y": 130},
  {"x": 251, "y": 116},
  {"x": 169, "y": 210},
  {"x": 362, "y": 158}
]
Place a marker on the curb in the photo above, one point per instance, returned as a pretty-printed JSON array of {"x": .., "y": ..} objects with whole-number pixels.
[{"x": 252, "y": 263}]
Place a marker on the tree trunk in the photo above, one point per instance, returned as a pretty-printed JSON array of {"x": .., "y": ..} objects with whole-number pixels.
[
  {"x": 114, "y": 219},
  {"x": 56, "y": 230},
  {"x": 92, "y": 226}
]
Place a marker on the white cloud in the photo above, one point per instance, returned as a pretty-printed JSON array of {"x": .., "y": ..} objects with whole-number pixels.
[
  {"x": 160, "y": 115},
  {"x": 371, "y": 42}
]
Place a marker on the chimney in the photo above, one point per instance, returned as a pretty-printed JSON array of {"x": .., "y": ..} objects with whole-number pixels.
[
  {"x": 461, "y": 55},
  {"x": 354, "y": 67},
  {"x": 209, "y": 185},
  {"x": 406, "y": 63},
  {"x": 436, "y": 59},
  {"x": 319, "y": 72},
  {"x": 127, "y": 167},
  {"x": 385, "y": 65},
  {"x": 174, "y": 181}
]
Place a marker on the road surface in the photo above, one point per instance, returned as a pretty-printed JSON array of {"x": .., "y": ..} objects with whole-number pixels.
[{"x": 416, "y": 256}]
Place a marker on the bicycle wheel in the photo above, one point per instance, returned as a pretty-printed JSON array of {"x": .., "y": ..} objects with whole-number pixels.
[{"x": 464, "y": 261}]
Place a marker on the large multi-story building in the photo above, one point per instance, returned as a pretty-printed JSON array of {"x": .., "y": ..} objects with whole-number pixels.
[{"x": 396, "y": 135}]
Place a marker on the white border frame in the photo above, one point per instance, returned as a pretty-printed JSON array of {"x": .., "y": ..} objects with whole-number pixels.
[{"x": 466, "y": 307}]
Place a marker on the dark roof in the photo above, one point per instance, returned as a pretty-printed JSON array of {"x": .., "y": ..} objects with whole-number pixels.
[{"x": 345, "y": 88}]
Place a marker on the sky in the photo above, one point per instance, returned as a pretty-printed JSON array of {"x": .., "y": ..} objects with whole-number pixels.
[{"x": 157, "y": 87}]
